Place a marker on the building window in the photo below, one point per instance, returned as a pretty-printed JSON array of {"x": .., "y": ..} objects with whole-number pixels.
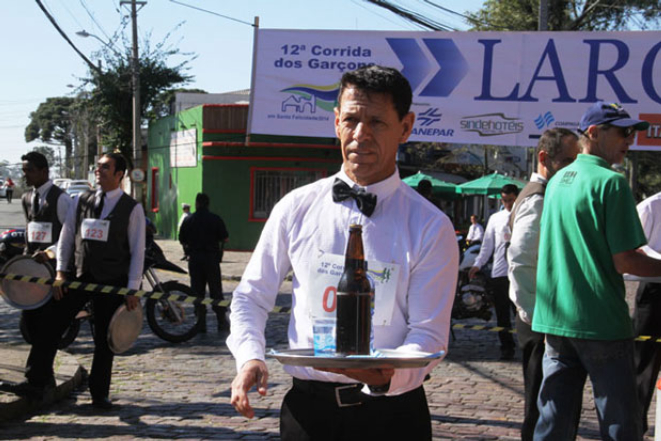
[
  {"x": 269, "y": 185},
  {"x": 154, "y": 189}
]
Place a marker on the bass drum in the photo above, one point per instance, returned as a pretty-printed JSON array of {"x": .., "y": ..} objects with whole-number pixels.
[
  {"x": 68, "y": 336},
  {"x": 26, "y": 295}
]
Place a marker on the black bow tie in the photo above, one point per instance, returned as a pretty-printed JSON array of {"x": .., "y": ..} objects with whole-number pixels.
[{"x": 365, "y": 201}]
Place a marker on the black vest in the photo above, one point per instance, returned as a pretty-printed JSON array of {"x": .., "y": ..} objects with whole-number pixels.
[
  {"x": 531, "y": 188},
  {"x": 47, "y": 213},
  {"x": 105, "y": 262}
]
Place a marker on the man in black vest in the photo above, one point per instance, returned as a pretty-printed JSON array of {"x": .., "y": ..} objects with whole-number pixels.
[
  {"x": 45, "y": 207},
  {"x": 556, "y": 149},
  {"x": 105, "y": 235},
  {"x": 202, "y": 234}
]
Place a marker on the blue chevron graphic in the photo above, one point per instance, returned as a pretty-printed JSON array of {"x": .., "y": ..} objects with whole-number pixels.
[
  {"x": 453, "y": 67},
  {"x": 417, "y": 66},
  {"x": 544, "y": 120}
]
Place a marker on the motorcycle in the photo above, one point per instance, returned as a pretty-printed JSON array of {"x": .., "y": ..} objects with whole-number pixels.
[
  {"x": 472, "y": 298},
  {"x": 172, "y": 320}
]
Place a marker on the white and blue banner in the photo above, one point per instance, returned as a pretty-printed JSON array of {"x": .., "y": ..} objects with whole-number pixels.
[{"x": 502, "y": 88}]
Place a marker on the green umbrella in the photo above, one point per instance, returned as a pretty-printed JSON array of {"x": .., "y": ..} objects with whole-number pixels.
[
  {"x": 488, "y": 185},
  {"x": 440, "y": 188}
]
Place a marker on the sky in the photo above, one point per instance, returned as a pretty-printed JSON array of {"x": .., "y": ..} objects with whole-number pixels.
[{"x": 38, "y": 63}]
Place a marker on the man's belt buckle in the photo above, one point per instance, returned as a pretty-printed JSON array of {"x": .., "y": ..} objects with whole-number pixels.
[{"x": 338, "y": 396}]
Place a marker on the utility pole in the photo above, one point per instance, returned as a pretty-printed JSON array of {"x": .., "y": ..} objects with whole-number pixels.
[
  {"x": 135, "y": 84},
  {"x": 543, "y": 24}
]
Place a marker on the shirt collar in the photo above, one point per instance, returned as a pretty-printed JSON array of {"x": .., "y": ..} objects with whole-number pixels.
[
  {"x": 381, "y": 189},
  {"x": 44, "y": 188},
  {"x": 536, "y": 177},
  {"x": 593, "y": 159},
  {"x": 112, "y": 194}
]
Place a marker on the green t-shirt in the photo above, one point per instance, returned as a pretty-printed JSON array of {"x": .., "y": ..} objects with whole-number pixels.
[{"x": 589, "y": 215}]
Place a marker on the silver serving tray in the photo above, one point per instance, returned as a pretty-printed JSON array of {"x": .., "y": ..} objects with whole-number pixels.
[{"x": 389, "y": 358}]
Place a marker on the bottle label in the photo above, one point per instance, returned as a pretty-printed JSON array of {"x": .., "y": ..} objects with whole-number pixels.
[{"x": 325, "y": 274}]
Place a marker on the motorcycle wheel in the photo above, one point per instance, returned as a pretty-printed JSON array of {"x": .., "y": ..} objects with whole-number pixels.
[
  {"x": 171, "y": 320},
  {"x": 68, "y": 336}
]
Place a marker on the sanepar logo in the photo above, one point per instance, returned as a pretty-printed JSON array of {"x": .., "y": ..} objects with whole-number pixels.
[{"x": 491, "y": 124}]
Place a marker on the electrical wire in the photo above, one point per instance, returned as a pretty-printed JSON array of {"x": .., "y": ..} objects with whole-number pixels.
[{"x": 213, "y": 13}]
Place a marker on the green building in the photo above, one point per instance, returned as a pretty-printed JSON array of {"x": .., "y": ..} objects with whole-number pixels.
[{"x": 205, "y": 149}]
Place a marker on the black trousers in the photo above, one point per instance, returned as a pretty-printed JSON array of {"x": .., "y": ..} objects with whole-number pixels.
[
  {"x": 310, "y": 412},
  {"x": 104, "y": 306},
  {"x": 647, "y": 355},
  {"x": 532, "y": 353},
  {"x": 504, "y": 307},
  {"x": 40, "y": 324},
  {"x": 204, "y": 270}
]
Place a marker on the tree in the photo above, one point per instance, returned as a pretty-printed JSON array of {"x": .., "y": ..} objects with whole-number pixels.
[
  {"x": 52, "y": 122},
  {"x": 48, "y": 152},
  {"x": 522, "y": 15},
  {"x": 164, "y": 101},
  {"x": 111, "y": 96}
]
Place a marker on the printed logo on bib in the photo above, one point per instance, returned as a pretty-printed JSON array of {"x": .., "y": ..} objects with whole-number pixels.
[
  {"x": 95, "y": 229},
  {"x": 325, "y": 274},
  {"x": 40, "y": 232}
]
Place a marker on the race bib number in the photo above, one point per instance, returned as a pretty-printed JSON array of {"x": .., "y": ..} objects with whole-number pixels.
[
  {"x": 40, "y": 232},
  {"x": 325, "y": 274},
  {"x": 95, "y": 229}
]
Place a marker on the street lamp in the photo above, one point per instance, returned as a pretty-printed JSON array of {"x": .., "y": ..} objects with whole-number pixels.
[{"x": 86, "y": 34}]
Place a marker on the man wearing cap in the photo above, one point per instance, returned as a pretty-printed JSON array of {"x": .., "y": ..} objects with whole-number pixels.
[{"x": 591, "y": 235}]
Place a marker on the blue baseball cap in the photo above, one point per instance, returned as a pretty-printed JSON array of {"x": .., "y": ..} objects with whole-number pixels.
[{"x": 609, "y": 113}]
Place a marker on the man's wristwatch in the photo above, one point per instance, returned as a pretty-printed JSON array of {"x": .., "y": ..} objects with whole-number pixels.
[{"x": 383, "y": 389}]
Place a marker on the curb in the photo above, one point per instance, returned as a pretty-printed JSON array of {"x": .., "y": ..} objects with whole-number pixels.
[{"x": 68, "y": 376}]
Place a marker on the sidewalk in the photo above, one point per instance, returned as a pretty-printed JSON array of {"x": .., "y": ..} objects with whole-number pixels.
[{"x": 68, "y": 372}]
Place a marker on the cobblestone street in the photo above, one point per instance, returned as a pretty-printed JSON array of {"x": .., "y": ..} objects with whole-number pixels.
[{"x": 168, "y": 391}]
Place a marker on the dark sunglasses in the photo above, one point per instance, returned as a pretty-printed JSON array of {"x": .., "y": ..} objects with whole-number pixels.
[{"x": 624, "y": 131}]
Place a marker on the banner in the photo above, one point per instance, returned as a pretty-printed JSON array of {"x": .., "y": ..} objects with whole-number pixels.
[
  {"x": 183, "y": 148},
  {"x": 501, "y": 88}
]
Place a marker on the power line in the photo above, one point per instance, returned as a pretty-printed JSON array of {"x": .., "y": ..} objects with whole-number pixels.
[
  {"x": 213, "y": 13},
  {"x": 84, "y": 5},
  {"x": 52, "y": 20}
]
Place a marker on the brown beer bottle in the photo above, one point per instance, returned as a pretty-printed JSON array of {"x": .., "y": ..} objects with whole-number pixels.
[{"x": 354, "y": 300}]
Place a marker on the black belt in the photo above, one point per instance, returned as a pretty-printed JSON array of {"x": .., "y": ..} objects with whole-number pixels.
[{"x": 343, "y": 394}]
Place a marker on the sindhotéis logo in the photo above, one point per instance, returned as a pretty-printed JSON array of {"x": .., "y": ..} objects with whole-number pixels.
[{"x": 491, "y": 124}]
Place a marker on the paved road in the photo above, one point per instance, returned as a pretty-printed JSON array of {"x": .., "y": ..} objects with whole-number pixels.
[{"x": 167, "y": 391}]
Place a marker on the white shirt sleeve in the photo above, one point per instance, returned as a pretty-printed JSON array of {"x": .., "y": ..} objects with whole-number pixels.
[
  {"x": 255, "y": 296},
  {"x": 136, "y": 234},
  {"x": 63, "y": 203},
  {"x": 522, "y": 256},
  {"x": 67, "y": 238},
  {"x": 487, "y": 247}
]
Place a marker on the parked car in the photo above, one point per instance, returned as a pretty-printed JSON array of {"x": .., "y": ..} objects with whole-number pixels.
[
  {"x": 80, "y": 182},
  {"x": 74, "y": 189},
  {"x": 62, "y": 182},
  {"x": 3, "y": 189}
]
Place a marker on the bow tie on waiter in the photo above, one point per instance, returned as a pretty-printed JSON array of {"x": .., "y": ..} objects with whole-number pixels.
[{"x": 365, "y": 201}]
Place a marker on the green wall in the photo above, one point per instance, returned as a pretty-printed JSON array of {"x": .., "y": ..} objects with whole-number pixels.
[{"x": 223, "y": 172}]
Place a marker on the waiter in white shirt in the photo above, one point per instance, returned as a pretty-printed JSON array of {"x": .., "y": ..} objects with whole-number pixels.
[
  {"x": 496, "y": 239},
  {"x": 475, "y": 231},
  {"x": 647, "y": 313},
  {"x": 45, "y": 207},
  {"x": 104, "y": 237},
  {"x": 308, "y": 228}
]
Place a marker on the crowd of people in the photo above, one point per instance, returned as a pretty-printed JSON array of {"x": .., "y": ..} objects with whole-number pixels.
[{"x": 560, "y": 248}]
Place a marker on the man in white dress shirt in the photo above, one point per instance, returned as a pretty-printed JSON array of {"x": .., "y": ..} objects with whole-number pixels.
[
  {"x": 556, "y": 149},
  {"x": 102, "y": 241},
  {"x": 647, "y": 314},
  {"x": 475, "y": 231},
  {"x": 495, "y": 241},
  {"x": 412, "y": 253}
]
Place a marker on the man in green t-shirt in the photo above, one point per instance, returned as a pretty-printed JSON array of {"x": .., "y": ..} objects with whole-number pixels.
[{"x": 590, "y": 237}]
